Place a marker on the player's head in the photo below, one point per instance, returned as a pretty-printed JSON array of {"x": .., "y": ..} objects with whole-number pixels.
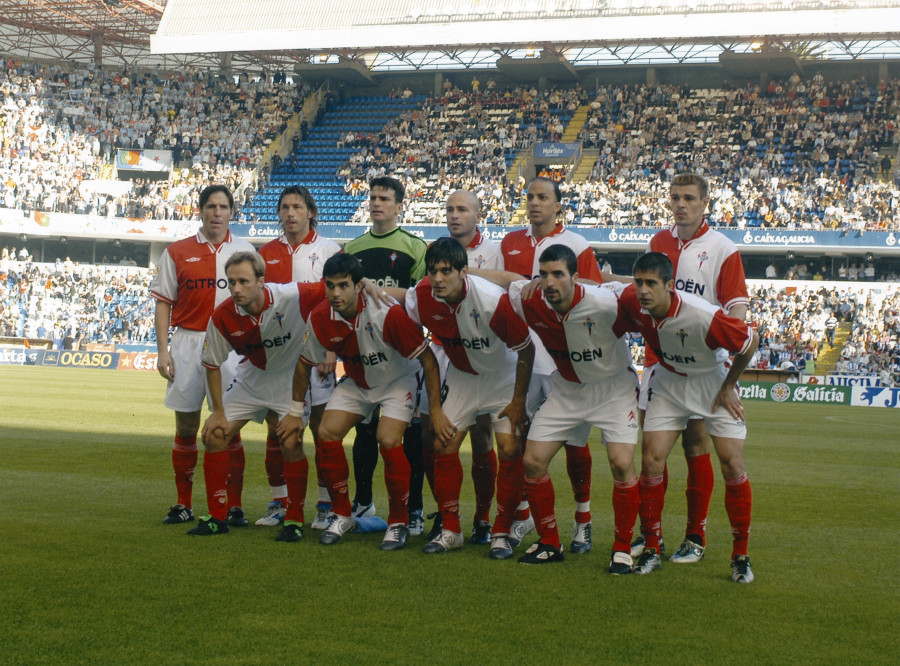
[
  {"x": 297, "y": 209},
  {"x": 653, "y": 282},
  {"x": 446, "y": 263},
  {"x": 343, "y": 276},
  {"x": 544, "y": 201},
  {"x": 557, "y": 270},
  {"x": 463, "y": 213},
  {"x": 688, "y": 199},
  {"x": 245, "y": 272},
  {"x": 216, "y": 208},
  {"x": 385, "y": 201}
]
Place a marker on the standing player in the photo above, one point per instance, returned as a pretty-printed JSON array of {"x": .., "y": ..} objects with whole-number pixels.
[
  {"x": 491, "y": 355},
  {"x": 692, "y": 340},
  {"x": 463, "y": 211},
  {"x": 298, "y": 256},
  {"x": 391, "y": 257},
  {"x": 378, "y": 345},
  {"x": 190, "y": 283},
  {"x": 707, "y": 265},
  {"x": 521, "y": 250},
  {"x": 594, "y": 384}
]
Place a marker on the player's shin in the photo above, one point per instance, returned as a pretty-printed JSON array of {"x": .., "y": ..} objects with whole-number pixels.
[
  {"x": 335, "y": 472},
  {"x": 296, "y": 476},
  {"x": 652, "y": 498},
  {"x": 739, "y": 505},
  {"x": 510, "y": 486},
  {"x": 626, "y": 502},
  {"x": 542, "y": 499},
  {"x": 396, "y": 478},
  {"x": 448, "y": 475},
  {"x": 215, "y": 473}
]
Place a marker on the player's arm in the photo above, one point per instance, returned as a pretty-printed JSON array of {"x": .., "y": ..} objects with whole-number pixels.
[
  {"x": 292, "y": 423},
  {"x": 515, "y": 411},
  {"x": 614, "y": 277},
  {"x": 443, "y": 429},
  {"x": 739, "y": 311},
  {"x": 728, "y": 396},
  {"x": 165, "y": 365},
  {"x": 500, "y": 278},
  {"x": 216, "y": 420}
]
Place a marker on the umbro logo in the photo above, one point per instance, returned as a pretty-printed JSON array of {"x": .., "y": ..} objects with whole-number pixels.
[
  {"x": 540, "y": 324},
  {"x": 514, "y": 252},
  {"x": 236, "y": 334},
  {"x": 192, "y": 260},
  {"x": 274, "y": 261},
  {"x": 437, "y": 317},
  {"x": 337, "y": 339}
]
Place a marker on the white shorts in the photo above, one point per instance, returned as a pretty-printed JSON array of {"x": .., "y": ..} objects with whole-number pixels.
[
  {"x": 673, "y": 400},
  {"x": 443, "y": 362},
  {"x": 645, "y": 385},
  {"x": 571, "y": 409},
  {"x": 465, "y": 396},
  {"x": 320, "y": 388},
  {"x": 187, "y": 392},
  {"x": 538, "y": 391},
  {"x": 397, "y": 399},
  {"x": 254, "y": 392}
]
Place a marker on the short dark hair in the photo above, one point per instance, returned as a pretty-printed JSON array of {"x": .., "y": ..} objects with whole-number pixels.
[
  {"x": 655, "y": 262},
  {"x": 211, "y": 190},
  {"x": 388, "y": 183},
  {"x": 687, "y": 179},
  {"x": 254, "y": 258},
  {"x": 343, "y": 264},
  {"x": 446, "y": 248},
  {"x": 304, "y": 194},
  {"x": 561, "y": 253},
  {"x": 542, "y": 179}
]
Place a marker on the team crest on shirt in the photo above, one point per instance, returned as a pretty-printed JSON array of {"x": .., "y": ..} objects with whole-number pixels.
[
  {"x": 702, "y": 257},
  {"x": 393, "y": 259},
  {"x": 479, "y": 261},
  {"x": 313, "y": 258},
  {"x": 682, "y": 335},
  {"x": 279, "y": 318},
  {"x": 589, "y": 325},
  {"x": 305, "y": 336},
  {"x": 370, "y": 330},
  {"x": 475, "y": 315}
]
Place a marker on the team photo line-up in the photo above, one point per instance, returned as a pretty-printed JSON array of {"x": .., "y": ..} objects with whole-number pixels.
[{"x": 527, "y": 348}]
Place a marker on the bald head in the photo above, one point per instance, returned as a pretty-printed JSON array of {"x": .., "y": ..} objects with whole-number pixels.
[{"x": 463, "y": 214}]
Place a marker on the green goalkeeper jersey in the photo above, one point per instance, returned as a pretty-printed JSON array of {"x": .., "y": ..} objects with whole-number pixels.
[{"x": 394, "y": 259}]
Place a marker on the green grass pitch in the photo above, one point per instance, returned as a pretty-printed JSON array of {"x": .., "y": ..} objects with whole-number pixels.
[{"x": 90, "y": 574}]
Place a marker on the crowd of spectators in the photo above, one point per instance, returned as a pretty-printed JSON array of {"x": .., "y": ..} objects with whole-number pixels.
[
  {"x": 72, "y": 304},
  {"x": 60, "y": 128},
  {"x": 873, "y": 346}
]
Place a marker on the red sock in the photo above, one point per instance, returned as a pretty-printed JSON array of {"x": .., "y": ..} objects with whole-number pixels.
[
  {"x": 484, "y": 476},
  {"x": 296, "y": 476},
  {"x": 236, "y": 461},
  {"x": 738, "y": 505},
  {"x": 215, "y": 471},
  {"x": 448, "y": 476},
  {"x": 428, "y": 462},
  {"x": 666, "y": 476},
  {"x": 335, "y": 472},
  {"x": 184, "y": 462},
  {"x": 396, "y": 478},
  {"x": 275, "y": 469},
  {"x": 700, "y": 482},
  {"x": 510, "y": 486},
  {"x": 626, "y": 499},
  {"x": 322, "y": 489},
  {"x": 579, "y": 464},
  {"x": 653, "y": 497},
  {"x": 542, "y": 499}
]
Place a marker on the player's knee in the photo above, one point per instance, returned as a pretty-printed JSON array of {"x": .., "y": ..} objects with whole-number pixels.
[{"x": 390, "y": 441}]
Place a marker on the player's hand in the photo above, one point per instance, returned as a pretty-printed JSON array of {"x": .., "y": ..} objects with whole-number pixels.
[
  {"x": 214, "y": 428},
  {"x": 165, "y": 365},
  {"x": 440, "y": 424},
  {"x": 529, "y": 289},
  {"x": 288, "y": 427},
  {"x": 371, "y": 290},
  {"x": 327, "y": 366},
  {"x": 729, "y": 398},
  {"x": 518, "y": 416}
]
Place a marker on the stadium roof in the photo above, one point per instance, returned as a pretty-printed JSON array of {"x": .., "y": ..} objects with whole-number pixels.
[{"x": 439, "y": 34}]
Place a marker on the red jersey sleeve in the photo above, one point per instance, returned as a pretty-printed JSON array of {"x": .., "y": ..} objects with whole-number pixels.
[
  {"x": 729, "y": 333},
  {"x": 401, "y": 333},
  {"x": 628, "y": 319},
  {"x": 588, "y": 268},
  {"x": 311, "y": 294},
  {"x": 508, "y": 326},
  {"x": 731, "y": 286}
]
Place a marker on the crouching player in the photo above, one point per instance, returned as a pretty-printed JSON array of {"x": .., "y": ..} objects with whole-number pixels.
[
  {"x": 491, "y": 355},
  {"x": 378, "y": 344},
  {"x": 692, "y": 340},
  {"x": 264, "y": 324},
  {"x": 594, "y": 384}
]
